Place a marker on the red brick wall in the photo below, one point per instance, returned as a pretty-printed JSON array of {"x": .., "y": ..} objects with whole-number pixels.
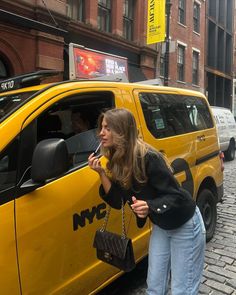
[
  {"x": 18, "y": 47},
  {"x": 117, "y": 21},
  {"x": 27, "y": 50},
  {"x": 186, "y": 35}
]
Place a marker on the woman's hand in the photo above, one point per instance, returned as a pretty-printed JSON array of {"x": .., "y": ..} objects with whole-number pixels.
[
  {"x": 95, "y": 164},
  {"x": 140, "y": 207}
]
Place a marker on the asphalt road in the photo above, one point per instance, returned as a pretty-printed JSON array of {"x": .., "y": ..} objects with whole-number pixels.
[{"x": 219, "y": 276}]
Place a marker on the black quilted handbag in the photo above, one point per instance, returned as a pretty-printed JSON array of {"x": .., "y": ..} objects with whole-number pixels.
[{"x": 114, "y": 249}]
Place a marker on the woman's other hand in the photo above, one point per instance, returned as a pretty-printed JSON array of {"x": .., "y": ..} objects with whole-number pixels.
[{"x": 140, "y": 207}]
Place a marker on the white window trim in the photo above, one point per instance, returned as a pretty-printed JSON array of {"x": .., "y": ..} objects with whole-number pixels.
[
  {"x": 198, "y": 2},
  {"x": 181, "y": 43},
  {"x": 196, "y": 50}
]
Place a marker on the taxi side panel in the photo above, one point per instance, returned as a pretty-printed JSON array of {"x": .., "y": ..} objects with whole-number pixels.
[
  {"x": 56, "y": 226},
  {"x": 9, "y": 279}
]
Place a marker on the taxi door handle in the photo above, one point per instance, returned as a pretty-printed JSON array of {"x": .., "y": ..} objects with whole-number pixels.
[{"x": 201, "y": 138}]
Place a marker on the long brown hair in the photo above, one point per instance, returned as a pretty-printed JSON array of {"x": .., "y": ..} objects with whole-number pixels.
[{"x": 126, "y": 160}]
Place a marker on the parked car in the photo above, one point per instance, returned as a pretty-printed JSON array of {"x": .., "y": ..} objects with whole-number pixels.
[
  {"x": 226, "y": 129},
  {"x": 50, "y": 207}
]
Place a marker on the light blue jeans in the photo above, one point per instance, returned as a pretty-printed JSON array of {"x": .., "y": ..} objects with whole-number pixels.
[{"x": 179, "y": 255}]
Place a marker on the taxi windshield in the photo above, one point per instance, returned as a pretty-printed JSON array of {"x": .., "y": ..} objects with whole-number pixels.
[{"x": 10, "y": 102}]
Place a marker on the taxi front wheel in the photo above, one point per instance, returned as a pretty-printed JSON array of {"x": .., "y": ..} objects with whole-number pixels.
[{"x": 207, "y": 205}]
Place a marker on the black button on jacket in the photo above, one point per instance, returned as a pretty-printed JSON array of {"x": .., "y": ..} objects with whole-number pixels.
[{"x": 170, "y": 206}]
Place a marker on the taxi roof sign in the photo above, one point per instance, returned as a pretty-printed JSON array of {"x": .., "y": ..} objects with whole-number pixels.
[{"x": 87, "y": 63}]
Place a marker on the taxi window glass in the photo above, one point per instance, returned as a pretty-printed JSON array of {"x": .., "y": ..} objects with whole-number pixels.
[
  {"x": 171, "y": 114},
  {"x": 56, "y": 122},
  {"x": 165, "y": 114},
  {"x": 199, "y": 114},
  {"x": 8, "y": 162},
  {"x": 74, "y": 119},
  {"x": 8, "y": 103}
]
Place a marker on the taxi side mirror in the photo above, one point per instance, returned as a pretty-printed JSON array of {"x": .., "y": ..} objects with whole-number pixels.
[{"x": 50, "y": 160}]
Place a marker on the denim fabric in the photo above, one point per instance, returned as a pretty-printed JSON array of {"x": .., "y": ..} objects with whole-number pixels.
[{"x": 179, "y": 252}]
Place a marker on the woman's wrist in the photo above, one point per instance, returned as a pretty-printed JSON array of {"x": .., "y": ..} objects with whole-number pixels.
[{"x": 102, "y": 173}]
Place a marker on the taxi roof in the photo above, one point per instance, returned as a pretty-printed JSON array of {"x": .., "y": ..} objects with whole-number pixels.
[{"x": 32, "y": 82}]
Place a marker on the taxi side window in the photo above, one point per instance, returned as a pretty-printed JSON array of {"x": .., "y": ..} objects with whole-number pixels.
[
  {"x": 8, "y": 166},
  {"x": 165, "y": 114},
  {"x": 55, "y": 122},
  {"x": 171, "y": 114},
  {"x": 75, "y": 120}
]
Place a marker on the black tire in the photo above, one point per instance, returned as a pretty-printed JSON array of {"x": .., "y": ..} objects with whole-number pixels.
[
  {"x": 207, "y": 204},
  {"x": 230, "y": 153}
]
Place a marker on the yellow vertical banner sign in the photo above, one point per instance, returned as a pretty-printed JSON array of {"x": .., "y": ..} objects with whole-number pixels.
[{"x": 156, "y": 21}]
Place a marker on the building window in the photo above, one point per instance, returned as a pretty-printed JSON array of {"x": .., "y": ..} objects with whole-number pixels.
[
  {"x": 196, "y": 17},
  {"x": 195, "y": 68},
  {"x": 162, "y": 65},
  {"x": 182, "y": 12},
  {"x": 181, "y": 62},
  {"x": 104, "y": 15},
  {"x": 128, "y": 19},
  {"x": 75, "y": 9}
]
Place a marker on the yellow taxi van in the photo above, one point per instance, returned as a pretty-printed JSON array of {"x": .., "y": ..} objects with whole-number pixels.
[{"x": 49, "y": 202}]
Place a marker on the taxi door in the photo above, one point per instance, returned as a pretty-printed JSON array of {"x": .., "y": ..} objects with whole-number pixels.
[
  {"x": 9, "y": 278},
  {"x": 56, "y": 223}
]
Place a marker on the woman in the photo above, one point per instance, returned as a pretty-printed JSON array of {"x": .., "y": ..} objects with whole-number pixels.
[{"x": 140, "y": 175}]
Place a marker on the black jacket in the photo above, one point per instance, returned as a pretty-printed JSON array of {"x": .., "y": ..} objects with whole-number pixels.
[{"x": 170, "y": 206}]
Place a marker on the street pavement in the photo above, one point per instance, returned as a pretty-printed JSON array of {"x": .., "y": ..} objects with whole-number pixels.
[{"x": 219, "y": 277}]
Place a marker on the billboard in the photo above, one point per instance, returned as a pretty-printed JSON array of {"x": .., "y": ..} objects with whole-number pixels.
[{"x": 87, "y": 63}]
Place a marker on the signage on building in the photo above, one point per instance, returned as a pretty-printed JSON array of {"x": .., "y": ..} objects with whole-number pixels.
[
  {"x": 156, "y": 21},
  {"x": 87, "y": 63}
]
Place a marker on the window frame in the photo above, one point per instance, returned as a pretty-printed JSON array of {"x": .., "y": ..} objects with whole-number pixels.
[
  {"x": 69, "y": 101},
  {"x": 13, "y": 148},
  {"x": 174, "y": 117},
  {"x": 104, "y": 15},
  {"x": 196, "y": 17},
  {"x": 76, "y": 10},
  {"x": 162, "y": 65},
  {"x": 181, "y": 63},
  {"x": 195, "y": 67},
  {"x": 128, "y": 19},
  {"x": 182, "y": 12}
]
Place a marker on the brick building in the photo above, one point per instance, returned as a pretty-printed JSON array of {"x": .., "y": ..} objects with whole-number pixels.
[
  {"x": 187, "y": 45},
  {"x": 35, "y": 34}
]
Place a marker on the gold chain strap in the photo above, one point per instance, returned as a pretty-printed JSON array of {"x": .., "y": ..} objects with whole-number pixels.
[{"x": 103, "y": 228}]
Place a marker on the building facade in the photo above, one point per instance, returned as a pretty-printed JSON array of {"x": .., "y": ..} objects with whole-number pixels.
[
  {"x": 219, "y": 52},
  {"x": 35, "y": 34},
  {"x": 187, "y": 45}
]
